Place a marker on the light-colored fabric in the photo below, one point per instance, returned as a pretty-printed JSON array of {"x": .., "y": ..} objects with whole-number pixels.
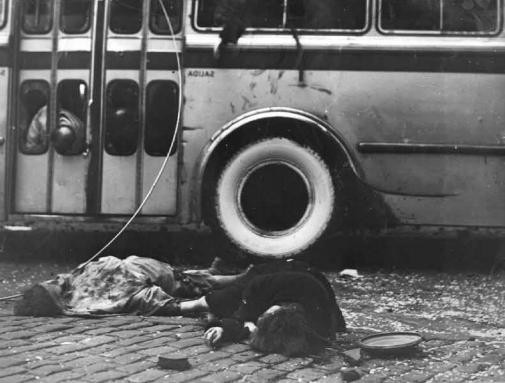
[{"x": 112, "y": 285}]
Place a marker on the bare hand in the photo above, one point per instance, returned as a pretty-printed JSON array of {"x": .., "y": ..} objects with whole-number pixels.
[{"x": 213, "y": 335}]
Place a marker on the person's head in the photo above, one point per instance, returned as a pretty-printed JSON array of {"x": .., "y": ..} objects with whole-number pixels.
[
  {"x": 284, "y": 330},
  {"x": 63, "y": 138}
]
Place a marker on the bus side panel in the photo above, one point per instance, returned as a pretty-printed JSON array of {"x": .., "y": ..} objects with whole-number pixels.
[
  {"x": 163, "y": 200},
  {"x": 480, "y": 202},
  {"x": 367, "y": 106},
  {"x": 32, "y": 170},
  {"x": 118, "y": 193},
  {"x": 70, "y": 172}
]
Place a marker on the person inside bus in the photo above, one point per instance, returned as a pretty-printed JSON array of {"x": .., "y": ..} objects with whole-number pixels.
[
  {"x": 284, "y": 307},
  {"x": 67, "y": 137},
  {"x": 237, "y": 15}
]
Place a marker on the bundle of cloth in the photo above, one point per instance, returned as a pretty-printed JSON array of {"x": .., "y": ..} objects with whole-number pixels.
[{"x": 111, "y": 286}]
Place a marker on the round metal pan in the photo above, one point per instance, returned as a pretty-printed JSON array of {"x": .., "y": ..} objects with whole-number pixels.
[{"x": 390, "y": 341}]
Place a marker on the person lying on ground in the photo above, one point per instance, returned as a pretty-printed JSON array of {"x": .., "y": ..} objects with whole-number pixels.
[
  {"x": 110, "y": 285},
  {"x": 292, "y": 312}
]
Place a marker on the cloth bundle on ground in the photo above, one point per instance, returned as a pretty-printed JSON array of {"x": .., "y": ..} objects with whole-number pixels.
[{"x": 110, "y": 286}]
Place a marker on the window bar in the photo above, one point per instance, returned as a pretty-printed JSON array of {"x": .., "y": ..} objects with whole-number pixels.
[
  {"x": 37, "y": 13},
  {"x": 441, "y": 17},
  {"x": 285, "y": 14}
]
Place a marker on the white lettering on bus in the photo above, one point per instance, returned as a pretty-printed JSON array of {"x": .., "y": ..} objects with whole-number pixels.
[{"x": 201, "y": 73}]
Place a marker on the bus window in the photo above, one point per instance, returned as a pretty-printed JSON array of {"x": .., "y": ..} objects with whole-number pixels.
[
  {"x": 69, "y": 137},
  {"x": 75, "y": 16},
  {"x": 470, "y": 15},
  {"x": 122, "y": 118},
  {"x": 3, "y": 9},
  {"x": 161, "y": 117},
  {"x": 440, "y": 15},
  {"x": 326, "y": 14},
  {"x": 157, "y": 18},
  {"x": 285, "y": 14},
  {"x": 37, "y": 16},
  {"x": 126, "y": 16},
  {"x": 32, "y": 117}
]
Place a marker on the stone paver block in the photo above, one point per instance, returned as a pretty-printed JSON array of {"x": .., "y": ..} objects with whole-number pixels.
[
  {"x": 139, "y": 339},
  {"x": 264, "y": 376},
  {"x": 248, "y": 367},
  {"x": 16, "y": 379},
  {"x": 9, "y": 371},
  {"x": 83, "y": 361},
  {"x": 156, "y": 351},
  {"x": 329, "y": 366},
  {"x": 48, "y": 369},
  {"x": 306, "y": 374},
  {"x": 234, "y": 348},
  {"x": 135, "y": 368},
  {"x": 106, "y": 376},
  {"x": 221, "y": 377},
  {"x": 209, "y": 357},
  {"x": 64, "y": 376},
  {"x": 216, "y": 365},
  {"x": 187, "y": 342},
  {"x": 100, "y": 331},
  {"x": 147, "y": 376},
  {"x": 126, "y": 333},
  {"x": 8, "y": 344},
  {"x": 293, "y": 364},
  {"x": 97, "y": 367},
  {"x": 417, "y": 376},
  {"x": 186, "y": 376},
  {"x": 131, "y": 357},
  {"x": 274, "y": 358},
  {"x": 12, "y": 361},
  {"x": 245, "y": 356},
  {"x": 18, "y": 334}
]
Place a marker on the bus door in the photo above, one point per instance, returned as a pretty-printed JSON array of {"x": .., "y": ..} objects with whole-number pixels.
[
  {"x": 98, "y": 100},
  {"x": 139, "y": 105},
  {"x": 53, "y": 71}
]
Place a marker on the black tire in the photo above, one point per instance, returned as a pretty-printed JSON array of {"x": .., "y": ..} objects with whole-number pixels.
[{"x": 274, "y": 199}]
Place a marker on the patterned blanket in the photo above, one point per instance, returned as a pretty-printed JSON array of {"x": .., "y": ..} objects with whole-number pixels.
[{"x": 110, "y": 286}]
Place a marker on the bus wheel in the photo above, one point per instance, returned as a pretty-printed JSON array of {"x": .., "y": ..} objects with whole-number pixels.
[{"x": 274, "y": 198}]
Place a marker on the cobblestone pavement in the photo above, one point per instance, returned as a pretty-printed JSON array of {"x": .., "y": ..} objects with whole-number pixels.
[{"x": 460, "y": 316}]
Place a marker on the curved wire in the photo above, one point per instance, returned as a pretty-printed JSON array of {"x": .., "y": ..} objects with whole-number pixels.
[
  {"x": 162, "y": 167},
  {"x": 165, "y": 161}
]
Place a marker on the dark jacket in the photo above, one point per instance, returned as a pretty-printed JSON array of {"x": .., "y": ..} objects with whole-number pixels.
[{"x": 264, "y": 291}]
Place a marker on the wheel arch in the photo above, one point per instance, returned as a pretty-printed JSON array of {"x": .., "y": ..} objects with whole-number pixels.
[{"x": 262, "y": 123}]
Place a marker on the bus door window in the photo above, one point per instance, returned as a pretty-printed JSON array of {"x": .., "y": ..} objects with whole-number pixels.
[
  {"x": 75, "y": 16},
  {"x": 37, "y": 16},
  {"x": 126, "y": 16},
  {"x": 69, "y": 137},
  {"x": 157, "y": 19},
  {"x": 161, "y": 117},
  {"x": 3, "y": 13},
  {"x": 122, "y": 118},
  {"x": 443, "y": 16},
  {"x": 32, "y": 117}
]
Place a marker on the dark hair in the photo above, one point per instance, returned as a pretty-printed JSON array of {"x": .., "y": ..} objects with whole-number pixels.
[{"x": 285, "y": 331}]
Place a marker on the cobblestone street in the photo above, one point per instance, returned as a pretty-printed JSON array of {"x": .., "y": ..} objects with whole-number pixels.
[{"x": 464, "y": 339}]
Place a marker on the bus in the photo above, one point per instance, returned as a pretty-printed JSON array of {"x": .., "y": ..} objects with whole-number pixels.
[{"x": 292, "y": 120}]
